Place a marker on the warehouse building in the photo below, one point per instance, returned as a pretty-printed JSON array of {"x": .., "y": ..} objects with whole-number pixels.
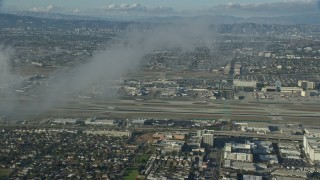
[{"x": 311, "y": 144}]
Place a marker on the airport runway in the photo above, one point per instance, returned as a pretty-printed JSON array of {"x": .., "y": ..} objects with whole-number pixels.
[
  {"x": 234, "y": 110},
  {"x": 278, "y": 112}
]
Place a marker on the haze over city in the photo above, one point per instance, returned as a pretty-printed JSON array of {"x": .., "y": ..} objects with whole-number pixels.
[{"x": 159, "y": 89}]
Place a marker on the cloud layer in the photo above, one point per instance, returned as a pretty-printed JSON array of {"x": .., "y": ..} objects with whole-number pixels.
[
  {"x": 281, "y": 8},
  {"x": 115, "y": 9},
  {"x": 270, "y": 9},
  {"x": 48, "y": 9},
  {"x": 136, "y": 8}
]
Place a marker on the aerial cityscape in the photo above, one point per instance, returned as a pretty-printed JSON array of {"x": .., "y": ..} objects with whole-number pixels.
[{"x": 160, "y": 90}]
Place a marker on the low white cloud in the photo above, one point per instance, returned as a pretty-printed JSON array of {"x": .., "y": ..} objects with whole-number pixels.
[
  {"x": 49, "y": 8},
  {"x": 76, "y": 11},
  {"x": 284, "y": 7},
  {"x": 136, "y": 8},
  {"x": 288, "y": 7},
  {"x": 124, "y": 7}
]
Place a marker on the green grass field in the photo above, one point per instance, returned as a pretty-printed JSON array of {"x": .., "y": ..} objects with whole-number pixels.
[
  {"x": 132, "y": 174},
  {"x": 142, "y": 158},
  {"x": 133, "y": 171},
  {"x": 4, "y": 172}
]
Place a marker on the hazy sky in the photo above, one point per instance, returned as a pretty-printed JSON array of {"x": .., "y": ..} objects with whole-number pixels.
[
  {"x": 166, "y": 7},
  {"x": 176, "y": 4}
]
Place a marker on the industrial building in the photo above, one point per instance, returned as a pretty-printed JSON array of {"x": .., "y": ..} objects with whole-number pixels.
[
  {"x": 251, "y": 177},
  {"x": 239, "y": 165},
  {"x": 283, "y": 90},
  {"x": 65, "y": 121},
  {"x": 307, "y": 85},
  {"x": 311, "y": 144},
  {"x": 93, "y": 121},
  {"x": 241, "y": 83},
  {"x": 291, "y": 90},
  {"x": 289, "y": 173},
  {"x": 137, "y": 122},
  {"x": 171, "y": 146},
  {"x": 289, "y": 151},
  {"x": 238, "y": 152},
  {"x": 110, "y": 133},
  {"x": 310, "y": 93},
  {"x": 269, "y": 89},
  {"x": 254, "y": 127},
  {"x": 271, "y": 159},
  {"x": 246, "y": 86},
  {"x": 238, "y": 156}
]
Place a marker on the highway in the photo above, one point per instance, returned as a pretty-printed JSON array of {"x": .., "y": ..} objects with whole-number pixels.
[
  {"x": 278, "y": 137},
  {"x": 236, "y": 134}
]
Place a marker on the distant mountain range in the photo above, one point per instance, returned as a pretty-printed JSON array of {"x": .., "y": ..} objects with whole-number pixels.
[
  {"x": 312, "y": 18},
  {"x": 47, "y": 15},
  {"x": 219, "y": 19},
  {"x": 223, "y": 24},
  {"x": 11, "y": 20}
]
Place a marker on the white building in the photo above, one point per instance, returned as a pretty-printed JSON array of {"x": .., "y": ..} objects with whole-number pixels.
[
  {"x": 172, "y": 145},
  {"x": 200, "y": 133},
  {"x": 37, "y": 63},
  {"x": 237, "y": 152},
  {"x": 308, "y": 49},
  {"x": 100, "y": 122},
  {"x": 254, "y": 127},
  {"x": 243, "y": 157},
  {"x": 251, "y": 177},
  {"x": 309, "y": 85},
  {"x": 311, "y": 144},
  {"x": 138, "y": 122},
  {"x": 208, "y": 139},
  {"x": 294, "y": 90},
  {"x": 227, "y": 69},
  {"x": 65, "y": 121},
  {"x": 267, "y": 54},
  {"x": 241, "y": 83}
]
